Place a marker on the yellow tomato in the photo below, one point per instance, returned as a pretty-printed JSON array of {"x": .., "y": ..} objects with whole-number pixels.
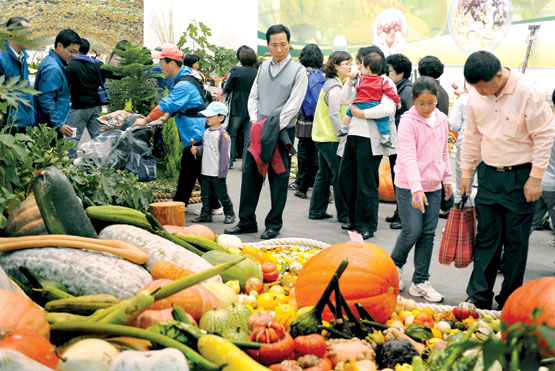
[
  {"x": 403, "y": 367},
  {"x": 266, "y": 301},
  {"x": 404, "y": 314},
  {"x": 437, "y": 334},
  {"x": 416, "y": 312},
  {"x": 325, "y": 332},
  {"x": 429, "y": 311}
]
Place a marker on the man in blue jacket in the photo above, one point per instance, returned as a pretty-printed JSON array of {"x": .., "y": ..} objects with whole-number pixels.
[
  {"x": 13, "y": 62},
  {"x": 52, "y": 104},
  {"x": 183, "y": 102}
]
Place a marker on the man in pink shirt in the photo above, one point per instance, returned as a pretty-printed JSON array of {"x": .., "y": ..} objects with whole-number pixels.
[{"x": 508, "y": 135}]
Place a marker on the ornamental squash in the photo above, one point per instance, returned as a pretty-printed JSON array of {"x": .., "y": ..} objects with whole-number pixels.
[
  {"x": 196, "y": 300},
  {"x": 370, "y": 279},
  {"x": 386, "y": 188},
  {"x": 26, "y": 220},
  {"x": 523, "y": 301},
  {"x": 18, "y": 312}
]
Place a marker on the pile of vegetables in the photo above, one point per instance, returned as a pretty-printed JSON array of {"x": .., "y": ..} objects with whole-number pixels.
[{"x": 109, "y": 288}]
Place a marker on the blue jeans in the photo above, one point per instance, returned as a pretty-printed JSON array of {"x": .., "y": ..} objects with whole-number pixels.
[
  {"x": 383, "y": 123},
  {"x": 418, "y": 229}
]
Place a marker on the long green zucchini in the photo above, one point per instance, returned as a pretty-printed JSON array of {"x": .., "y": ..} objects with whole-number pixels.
[{"x": 114, "y": 214}]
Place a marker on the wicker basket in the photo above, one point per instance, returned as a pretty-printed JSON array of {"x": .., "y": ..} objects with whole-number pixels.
[{"x": 309, "y": 243}]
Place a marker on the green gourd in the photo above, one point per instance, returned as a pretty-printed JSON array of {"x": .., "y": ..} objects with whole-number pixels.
[{"x": 59, "y": 205}]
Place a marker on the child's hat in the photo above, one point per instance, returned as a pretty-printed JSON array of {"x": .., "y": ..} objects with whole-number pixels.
[{"x": 214, "y": 109}]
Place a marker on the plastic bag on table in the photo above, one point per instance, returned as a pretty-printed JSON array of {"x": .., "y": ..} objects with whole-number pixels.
[{"x": 103, "y": 150}]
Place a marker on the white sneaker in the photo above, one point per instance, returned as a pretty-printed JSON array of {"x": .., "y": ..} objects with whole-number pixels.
[
  {"x": 426, "y": 291},
  {"x": 219, "y": 211},
  {"x": 401, "y": 282}
]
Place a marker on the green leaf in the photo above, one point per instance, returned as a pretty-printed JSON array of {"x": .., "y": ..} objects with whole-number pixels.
[
  {"x": 493, "y": 349},
  {"x": 548, "y": 335}
]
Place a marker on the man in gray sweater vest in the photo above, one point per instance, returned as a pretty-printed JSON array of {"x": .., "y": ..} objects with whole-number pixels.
[{"x": 278, "y": 91}]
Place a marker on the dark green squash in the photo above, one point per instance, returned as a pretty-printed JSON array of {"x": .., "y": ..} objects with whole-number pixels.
[{"x": 61, "y": 209}]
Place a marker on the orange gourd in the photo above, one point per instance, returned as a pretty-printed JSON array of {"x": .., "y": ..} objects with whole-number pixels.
[
  {"x": 195, "y": 300},
  {"x": 199, "y": 230},
  {"x": 26, "y": 220},
  {"x": 18, "y": 312},
  {"x": 31, "y": 344},
  {"x": 370, "y": 279},
  {"x": 386, "y": 189},
  {"x": 523, "y": 301},
  {"x": 164, "y": 269}
]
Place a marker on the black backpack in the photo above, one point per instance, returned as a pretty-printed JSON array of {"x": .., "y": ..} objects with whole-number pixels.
[{"x": 194, "y": 112}]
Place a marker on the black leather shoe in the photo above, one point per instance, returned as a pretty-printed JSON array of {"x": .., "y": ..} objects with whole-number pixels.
[
  {"x": 202, "y": 219},
  {"x": 393, "y": 218},
  {"x": 269, "y": 233},
  {"x": 396, "y": 225},
  {"x": 347, "y": 227},
  {"x": 366, "y": 235},
  {"x": 229, "y": 219},
  {"x": 323, "y": 216},
  {"x": 300, "y": 194},
  {"x": 479, "y": 304},
  {"x": 240, "y": 229}
]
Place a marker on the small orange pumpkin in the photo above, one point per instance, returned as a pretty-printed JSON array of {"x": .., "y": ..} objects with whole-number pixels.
[
  {"x": 370, "y": 279},
  {"x": 31, "y": 344},
  {"x": 523, "y": 301},
  {"x": 386, "y": 188},
  {"x": 18, "y": 312},
  {"x": 196, "y": 300},
  {"x": 199, "y": 230}
]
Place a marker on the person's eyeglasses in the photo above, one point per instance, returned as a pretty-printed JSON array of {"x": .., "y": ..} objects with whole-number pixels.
[
  {"x": 72, "y": 51},
  {"x": 424, "y": 105}
]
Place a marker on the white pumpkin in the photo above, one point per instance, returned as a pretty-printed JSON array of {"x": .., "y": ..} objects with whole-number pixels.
[
  {"x": 88, "y": 354},
  {"x": 223, "y": 292}
]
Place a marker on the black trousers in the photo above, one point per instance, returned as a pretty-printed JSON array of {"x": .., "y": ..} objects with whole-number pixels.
[
  {"x": 251, "y": 185},
  {"x": 504, "y": 220},
  {"x": 392, "y": 162},
  {"x": 215, "y": 188},
  {"x": 327, "y": 175},
  {"x": 237, "y": 124},
  {"x": 188, "y": 175},
  {"x": 358, "y": 181},
  {"x": 190, "y": 172},
  {"x": 307, "y": 158}
]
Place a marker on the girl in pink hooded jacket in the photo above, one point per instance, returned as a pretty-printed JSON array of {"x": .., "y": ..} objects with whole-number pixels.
[{"x": 422, "y": 165}]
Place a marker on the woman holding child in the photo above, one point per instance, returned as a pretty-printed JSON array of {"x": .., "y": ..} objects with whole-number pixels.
[
  {"x": 327, "y": 121},
  {"x": 358, "y": 174}
]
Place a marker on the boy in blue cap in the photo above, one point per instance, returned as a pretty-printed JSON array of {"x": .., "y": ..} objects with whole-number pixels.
[{"x": 214, "y": 150}]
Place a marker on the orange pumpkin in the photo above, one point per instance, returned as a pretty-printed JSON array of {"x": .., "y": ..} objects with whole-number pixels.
[
  {"x": 199, "y": 230},
  {"x": 386, "y": 188},
  {"x": 196, "y": 300},
  {"x": 370, "y": 279},
  {"x": 18, "y": 312},
  {"x": 163, "y": 269},
  {"x": 523, "y": 301},
  {"x": 31, "y": 344}
]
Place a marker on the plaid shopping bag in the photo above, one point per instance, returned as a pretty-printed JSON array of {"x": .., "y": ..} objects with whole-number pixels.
[
  {"x": 450, "y": 237},
  {"x": 457, "y": 242},
  {"x": 467, "y": 237}
]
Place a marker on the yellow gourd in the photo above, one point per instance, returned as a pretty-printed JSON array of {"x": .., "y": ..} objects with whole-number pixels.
[
  {"x": 285, "y": 314},
  {"x": 220, "y": 351}
]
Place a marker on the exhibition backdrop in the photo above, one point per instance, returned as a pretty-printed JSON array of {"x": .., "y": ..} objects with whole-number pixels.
[
  {"x": 449, "y": 29},
  {"x": 102, "y": 22}
]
